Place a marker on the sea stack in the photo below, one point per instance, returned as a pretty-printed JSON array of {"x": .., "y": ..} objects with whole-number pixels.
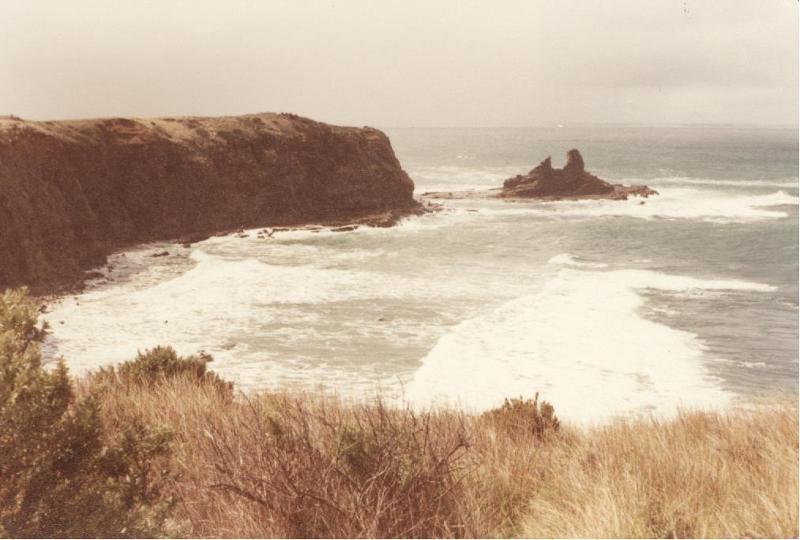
[
  {"x": 572, "y": 181},
  {"x": 545, "y": 181},
  {"x": 72, "y": 192}
]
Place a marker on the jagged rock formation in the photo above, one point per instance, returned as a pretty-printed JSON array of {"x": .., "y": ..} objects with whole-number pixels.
[
  {"x": 545, "y": 181},
  {"x": 549, "y": 184},
  {"x": 71, "y": 192}
]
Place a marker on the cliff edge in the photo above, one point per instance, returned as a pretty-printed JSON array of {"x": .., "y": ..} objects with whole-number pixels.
[{"x": 72, "y": 192}]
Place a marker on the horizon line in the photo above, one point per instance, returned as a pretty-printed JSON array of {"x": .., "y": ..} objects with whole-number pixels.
[
  {"x": 566, "y": 125},
  {"x": 552, "y": 125}
]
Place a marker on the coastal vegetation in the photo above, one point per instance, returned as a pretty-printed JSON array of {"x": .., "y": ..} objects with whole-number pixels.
[
  {"x": 63, "y": 471},
  {"x": 161, "y": 446}
]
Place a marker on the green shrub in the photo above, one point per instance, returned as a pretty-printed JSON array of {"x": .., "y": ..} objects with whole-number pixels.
[
  {"x": 160, "y": 363},
  {"x": 61, "y": 474},
  {"x": 518, "y": 417}
]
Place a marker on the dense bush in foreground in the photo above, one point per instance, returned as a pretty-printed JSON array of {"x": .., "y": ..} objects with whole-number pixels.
[
  {"x": 519, "y": 417},
  {"x": 158, "y": 365},
  {"x": 62, "y": 473},
  {"x": 88, "y": 461}
]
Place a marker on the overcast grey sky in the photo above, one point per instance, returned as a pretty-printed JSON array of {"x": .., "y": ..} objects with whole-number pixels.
[{"x": 405, "y": 63}]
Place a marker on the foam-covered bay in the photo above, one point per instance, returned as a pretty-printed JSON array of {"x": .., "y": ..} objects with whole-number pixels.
[{"x": 604, "y": 307}]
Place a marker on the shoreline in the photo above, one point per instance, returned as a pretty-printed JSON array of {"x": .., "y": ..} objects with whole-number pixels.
[
  {"x": 620, "y": 193},
  {"x": 46, "y": 293},
  {"x": 82, "y": 189}
]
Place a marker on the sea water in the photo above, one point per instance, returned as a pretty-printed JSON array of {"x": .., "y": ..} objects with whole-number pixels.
[{"x": 606, "y": 308}]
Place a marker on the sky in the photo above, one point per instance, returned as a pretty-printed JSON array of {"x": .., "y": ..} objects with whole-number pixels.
[{"x": 405, "y": 63}]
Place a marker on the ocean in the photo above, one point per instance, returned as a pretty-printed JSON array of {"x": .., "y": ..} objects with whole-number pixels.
[{"x": 606, "y": 308}]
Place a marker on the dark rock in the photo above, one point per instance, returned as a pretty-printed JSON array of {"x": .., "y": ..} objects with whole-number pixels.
[
  {"x": 574, "y": 162},
  {"x": 160, "y": 254},
  {"x": 193, "y": 238},
  {"x": 545, "y": 181},
  {"x": 572, "y": 181},
  {"x": 346, "y": 228}
]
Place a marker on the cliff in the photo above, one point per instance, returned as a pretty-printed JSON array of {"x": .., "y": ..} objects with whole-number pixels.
[
  {"x": 570, "y": 182},
  {"x": 71, "y": 192}
]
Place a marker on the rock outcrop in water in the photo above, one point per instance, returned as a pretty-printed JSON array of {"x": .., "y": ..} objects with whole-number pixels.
[
  {"x": 71, "y": 192},
  {"x": 570, "y": 182},
  {"x": 549, "y": 184}
]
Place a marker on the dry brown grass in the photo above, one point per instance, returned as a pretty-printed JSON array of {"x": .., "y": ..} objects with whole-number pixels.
[
  {"x": 295, "y": 465},
  {"x": 700, "y": 475}
]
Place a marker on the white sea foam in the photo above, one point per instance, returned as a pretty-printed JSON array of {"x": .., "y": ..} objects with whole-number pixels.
[
  {"x": 218, "y": 300},
  {"x": 570, "y": 260},
  {"x": 457, "y": 213},
  {"x": 451, "y": 178},
  {"x": 582, "y": 343},
  {"x": 208, "y": 303},
  {"x": 674, "y": 203},
  {"x": 764, "y": 183},
  {"x": 454, "y": 178},
  {"x": 679, "y": 198},
  {"x": 439, "y": 188},
  {"x": 751, "y": 365}
]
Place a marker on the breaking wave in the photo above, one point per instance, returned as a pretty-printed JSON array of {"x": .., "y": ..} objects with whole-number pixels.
[{"x": 582, "y": 343}]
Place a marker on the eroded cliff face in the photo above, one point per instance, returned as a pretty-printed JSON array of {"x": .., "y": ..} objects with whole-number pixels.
[{"x": 71, "y": 192}]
